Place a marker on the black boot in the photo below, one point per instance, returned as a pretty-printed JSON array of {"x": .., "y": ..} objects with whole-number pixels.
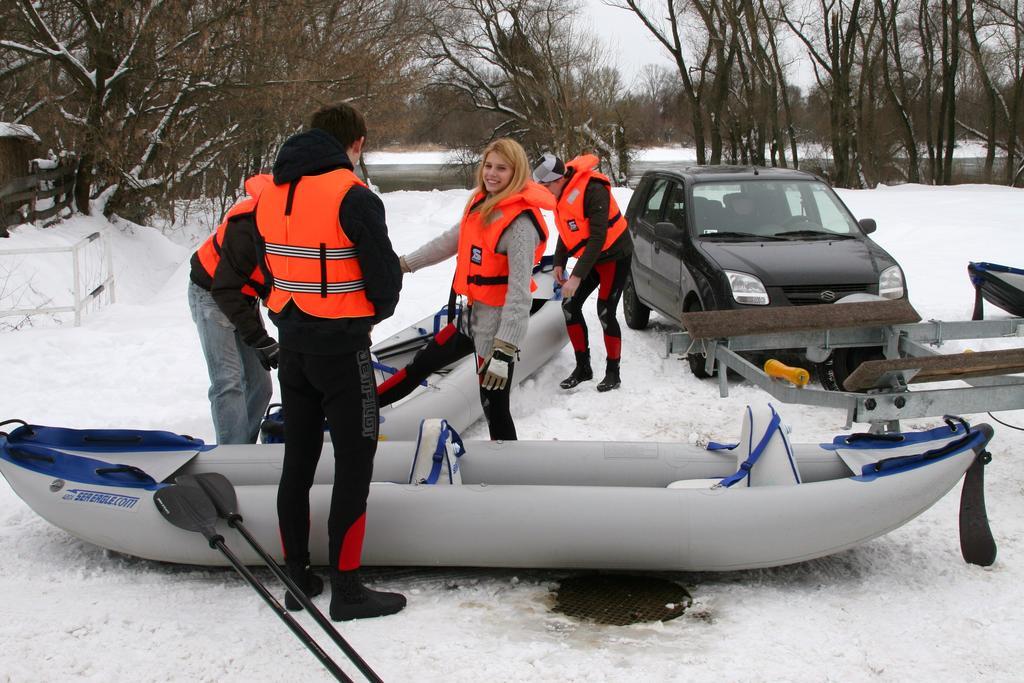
[
  {"x": 611, "y": 377},
  {"x": 581, "y": 373},
  {"x": 304, "y": 578},
  {"x": 350, "y": 599}
]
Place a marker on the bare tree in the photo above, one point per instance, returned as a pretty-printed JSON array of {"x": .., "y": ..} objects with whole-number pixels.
[
  {"x": 95, "y": 50},
  {"x": 833, "y": 49},
  {"x": 759, "y": 96},
  {"x": 938, "y": 25},
  {"x": 902, "y": 85},
  {"x": 656, "y": 107},
  {"x": 162, "y": 99},
  {"x": 529, "y": 63},
  {"x": 671, "y": 31},
  {"x": 785, "y": 94},
  {"x": 995, "y": 31}
]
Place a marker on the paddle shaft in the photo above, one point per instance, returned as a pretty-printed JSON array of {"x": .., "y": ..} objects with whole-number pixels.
[
  {"x": 216, "y": 491},
  {"x": 218, "y": 543},
  {"x": 235, "y": 522},
  {"x": 400, "y": 347}
]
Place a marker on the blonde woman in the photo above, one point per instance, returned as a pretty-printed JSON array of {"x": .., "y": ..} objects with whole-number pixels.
[{"x": 499, "y": 240}]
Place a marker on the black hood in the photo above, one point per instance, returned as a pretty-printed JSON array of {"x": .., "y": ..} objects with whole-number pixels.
[
  {"x": 309, "y": 153},
  {"x": 782, "y": 264}
]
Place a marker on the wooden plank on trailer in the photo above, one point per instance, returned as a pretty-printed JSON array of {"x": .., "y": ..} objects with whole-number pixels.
[
  {"x": 873, "y": 374},
  {"x": 773, "y": 319}
]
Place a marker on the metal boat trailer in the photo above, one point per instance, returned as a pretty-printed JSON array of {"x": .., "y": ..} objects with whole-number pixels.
[{"x": 878, "y": 391}]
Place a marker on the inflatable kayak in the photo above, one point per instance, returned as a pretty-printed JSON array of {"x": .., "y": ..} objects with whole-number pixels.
[
  {"x": 452, "y": 391},
  {"x": 437, "y": 501},
  {"x": 1001, "y": 286}
]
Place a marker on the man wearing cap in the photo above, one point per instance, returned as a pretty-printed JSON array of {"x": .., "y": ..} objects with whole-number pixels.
[{"x": 592, "y": 229}]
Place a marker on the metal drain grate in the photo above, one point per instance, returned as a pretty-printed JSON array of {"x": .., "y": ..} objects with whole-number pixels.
[{"x": 620, "y": 599}]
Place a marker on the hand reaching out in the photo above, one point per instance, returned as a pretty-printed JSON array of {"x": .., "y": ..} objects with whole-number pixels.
[{"x": 570, "y": 287}]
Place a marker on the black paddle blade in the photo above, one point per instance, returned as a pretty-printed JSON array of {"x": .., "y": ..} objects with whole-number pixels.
[
  {"x": 976, "y": 543},
  {"x": 218, "y": 488},
  {"x": 187, "y": 508}
]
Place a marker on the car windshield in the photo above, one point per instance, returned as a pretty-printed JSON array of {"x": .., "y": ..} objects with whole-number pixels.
[{"x": 770, "y": 210}]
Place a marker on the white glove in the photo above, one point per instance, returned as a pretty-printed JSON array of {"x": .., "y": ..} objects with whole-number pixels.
[{"x": 495, "y": 369}]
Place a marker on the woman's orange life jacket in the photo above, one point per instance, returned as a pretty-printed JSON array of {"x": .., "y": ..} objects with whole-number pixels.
[
  {"x": 573, "y": 224},
  {"x": 209, "y": 251},
  {"x": 311, "y": 259},
  {"x": 481, "y": 273}
]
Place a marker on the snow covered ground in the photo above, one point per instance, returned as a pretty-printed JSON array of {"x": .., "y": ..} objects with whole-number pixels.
[{"x": 902, "y": 607}]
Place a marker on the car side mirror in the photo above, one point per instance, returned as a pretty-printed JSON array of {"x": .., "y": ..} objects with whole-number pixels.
[
  {"x": 668, "y": 231},
  {"x": 867, "y": 225}
]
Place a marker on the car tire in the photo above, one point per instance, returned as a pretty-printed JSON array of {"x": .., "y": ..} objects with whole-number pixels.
[
  {"x": 841, "y": 364},
  {"x": 697, "y": 360},
  {"x": 637, "y": 315}
]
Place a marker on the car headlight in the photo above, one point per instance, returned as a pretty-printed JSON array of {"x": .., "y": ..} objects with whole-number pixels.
[
  {"x": 890, "y": 283},
  {"x": 747, "y": 289}
]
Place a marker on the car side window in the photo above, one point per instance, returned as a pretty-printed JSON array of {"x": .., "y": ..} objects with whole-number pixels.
[
  {"x": 655, "y": 201},
  {"x": 675, "y": 212}
]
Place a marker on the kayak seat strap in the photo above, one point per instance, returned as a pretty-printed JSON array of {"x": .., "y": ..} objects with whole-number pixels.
[
  {"x": 768, "y": 460},
  {"x": 438, "y": 450}
]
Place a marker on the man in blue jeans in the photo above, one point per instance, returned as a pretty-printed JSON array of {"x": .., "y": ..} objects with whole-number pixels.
[{"x": 240, "y": 384}]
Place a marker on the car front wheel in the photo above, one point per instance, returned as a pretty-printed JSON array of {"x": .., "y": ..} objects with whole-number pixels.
[
  {"x": 637, "y": 315},
  {"x": 832, "y": 373}
]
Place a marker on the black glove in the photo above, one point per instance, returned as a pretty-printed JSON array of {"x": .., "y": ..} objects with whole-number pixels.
[{"x": 268, "y": 351}]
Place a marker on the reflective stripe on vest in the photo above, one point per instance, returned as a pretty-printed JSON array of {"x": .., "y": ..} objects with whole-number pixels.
[
  {"x": 570, "y": 217},
  {"x": 312, "y": 260},
  {"x": 209, "y": 252},
  {"x": 481, "y": 273}
]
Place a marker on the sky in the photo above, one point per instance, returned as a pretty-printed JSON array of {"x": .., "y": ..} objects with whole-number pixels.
[
  {"x": 901, "y": 607},
  {"x": 631, "y": 45}
]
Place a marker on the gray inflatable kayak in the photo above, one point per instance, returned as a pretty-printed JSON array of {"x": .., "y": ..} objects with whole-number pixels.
[
  {"x": 439, "y": 502},
  {"x": 453, "y": 391}
]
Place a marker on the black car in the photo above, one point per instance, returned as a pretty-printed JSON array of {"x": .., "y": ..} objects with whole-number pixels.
[{"x": 730, "y": 237}]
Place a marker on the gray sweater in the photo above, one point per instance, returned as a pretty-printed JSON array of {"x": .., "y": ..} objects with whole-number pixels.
[{"x": 507, "y": 322}]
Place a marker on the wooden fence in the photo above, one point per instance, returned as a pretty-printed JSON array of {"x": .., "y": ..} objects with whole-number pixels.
[{"x": 21, "y": 198}]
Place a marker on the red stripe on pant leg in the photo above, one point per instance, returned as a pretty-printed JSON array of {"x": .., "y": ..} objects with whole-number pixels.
[
  {"x": 576, "y": 336},
  {"x": 352, "y": 546},
  {"x": 613, "y": 346},
  {"x": 391, "y": 381},
  {"x": 606, "y": 275}
]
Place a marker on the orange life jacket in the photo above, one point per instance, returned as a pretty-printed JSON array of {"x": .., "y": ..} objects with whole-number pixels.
[
  {"x": 481, "y": 273},
  {"x": 209, "y": 251},
  {"x": 311, "y": 259},
  {"x": 573, "y": 224}
]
